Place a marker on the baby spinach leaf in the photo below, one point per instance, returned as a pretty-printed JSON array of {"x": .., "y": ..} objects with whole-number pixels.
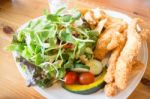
[
  {"x": 53, "y": 18},
  {"x": 16, "y": 47},
  {"x": 66, "y": 35},
  {"x": 21, "y": 36},
  {"x": 93, "y": 35},
  {"x": 52, "y": 42},
  {"x": 81, "y": 48},
  {"x": 44, "y": 35},
  {"x": 27, "y": 53},
  {"x": 39, "y": 59},
  {"x": 69, "y": 63},
  {"x": 66, "y": 18},
  {"x": 62, "y": 73}
]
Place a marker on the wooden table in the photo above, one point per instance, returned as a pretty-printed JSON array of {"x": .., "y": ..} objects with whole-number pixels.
[{"x": 13, "y": 13}]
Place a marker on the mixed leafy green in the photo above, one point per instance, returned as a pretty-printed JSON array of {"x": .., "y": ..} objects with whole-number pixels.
[{"x": 52, "y": 44}]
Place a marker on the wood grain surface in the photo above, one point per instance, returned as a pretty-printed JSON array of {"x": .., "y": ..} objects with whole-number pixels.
[{"x": 14, "y": 13}]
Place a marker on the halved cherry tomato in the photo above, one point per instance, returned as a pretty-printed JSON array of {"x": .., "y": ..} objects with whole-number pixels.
[
  {"x": 70, "y": 78},
  {"x": 86, "y": 78}
]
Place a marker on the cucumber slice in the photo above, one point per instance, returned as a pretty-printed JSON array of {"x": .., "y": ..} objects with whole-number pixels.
[
  {"x": 95, "y": 66},
  {"x": 81, "y": 68}
]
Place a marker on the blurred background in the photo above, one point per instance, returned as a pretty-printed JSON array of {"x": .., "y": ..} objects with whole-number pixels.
[
  {"x": 33, "y": 8},
  {"x": 14, "y": 13}
]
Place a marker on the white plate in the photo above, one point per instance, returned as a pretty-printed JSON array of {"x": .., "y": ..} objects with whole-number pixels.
[{"x": 57, "y": 92}]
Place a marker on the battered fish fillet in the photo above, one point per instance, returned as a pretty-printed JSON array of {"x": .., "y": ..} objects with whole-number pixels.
[
  {"x": 107, "y": 40},
  {"x": 111, "y": 88},
  {"x": 120, "y": 40},
  {"x": 128, "y": 55},
  {"x": 113, "y": 22},
  {"x": 100, "y": 25},
  {"x": 138, "y": 65},
  {"x": 94, "y": 16}
]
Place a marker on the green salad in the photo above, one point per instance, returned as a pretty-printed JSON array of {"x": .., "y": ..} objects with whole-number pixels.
[{"x": 52, "y": 45}]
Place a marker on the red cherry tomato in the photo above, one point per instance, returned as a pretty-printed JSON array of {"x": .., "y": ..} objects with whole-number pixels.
[
  {"x": 70, "y": 78},
  {"x": 68, "y": 46},
  {"x": 86, "y": 78}
]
